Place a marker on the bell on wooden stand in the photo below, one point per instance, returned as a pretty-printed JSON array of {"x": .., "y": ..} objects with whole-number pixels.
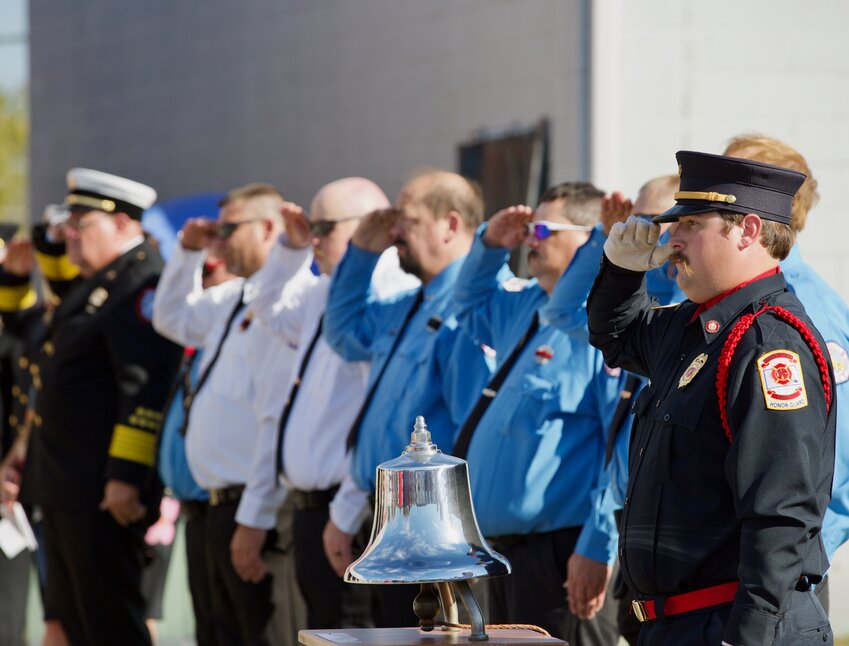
[{"x": 425, "y": 532}]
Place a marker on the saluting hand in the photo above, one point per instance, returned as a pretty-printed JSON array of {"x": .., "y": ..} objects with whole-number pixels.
[
  {"x": 337, "y": 548},
  {"x": 121, "y": 499},
  {"x": 18, "y": 257},
  {"x": 297, "y": 224},
  {"x": 375, "y": 231},
  {"x": 614, "y": 208},
  {"x": 246, "y": 553},
  {"x": 509, "y": 227},
  {"x": 633, "y": 245},
  {"x": 197, "y": 234}
]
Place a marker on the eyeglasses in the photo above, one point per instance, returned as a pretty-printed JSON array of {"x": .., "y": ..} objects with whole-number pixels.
[
  {"x": 78, "y": 224},
  {"x": 225, "y": 230},
  {"x": 321, "y": 228},
  {"x": 544, "y": 228}
]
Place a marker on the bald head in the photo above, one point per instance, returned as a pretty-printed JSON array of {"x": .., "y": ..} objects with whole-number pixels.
[
  {"x": 349, "y": 197},
  {"x": 344, "y": 202},
  {"x": 657, "y": 195}
]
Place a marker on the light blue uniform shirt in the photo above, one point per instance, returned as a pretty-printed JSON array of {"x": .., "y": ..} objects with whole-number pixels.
[
  {"x": 173, "y": 466},
  {"x": 567, "y": 310},
  {"x": 536, "y": 454},
  {"x": 830, "y": 315},
  {"x": 437, "y": 370}
]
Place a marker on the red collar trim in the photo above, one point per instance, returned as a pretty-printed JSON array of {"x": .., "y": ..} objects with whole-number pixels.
[{"x": 716, "y": 299}]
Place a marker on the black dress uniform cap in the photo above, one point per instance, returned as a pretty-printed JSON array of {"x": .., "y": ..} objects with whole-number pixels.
[
  {"x": 714, "y": 182},
  {"x": 94, "y": 190}
]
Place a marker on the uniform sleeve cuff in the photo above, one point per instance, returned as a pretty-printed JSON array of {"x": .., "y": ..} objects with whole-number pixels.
[
  {"x": 348, "y": 509},
  {"x": 750, "y": 626},
  {"x": 597, "y": 544},
  {"x": 260, "y": 512}
]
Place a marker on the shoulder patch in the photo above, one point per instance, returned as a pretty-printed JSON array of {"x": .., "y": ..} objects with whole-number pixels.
[
  {"x": 839, "y": 361},
  {"x": 144, "y": 304},
  {"x": 514, "y": 284},
  {"x": 782, "y": 380}
]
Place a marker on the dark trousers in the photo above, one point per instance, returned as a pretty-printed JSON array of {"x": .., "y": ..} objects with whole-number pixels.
[
  {"x": 195, "y": 514},
  {"x": 805, "y": 622},
  {"x": 94, "y": 571},
  {"x": 534, "y": 592},
  {"x": 391, "y": 605},
  {"x": 14, "y": 580},
  {"x": 241, "y": 610},
  {"x": 331, "y": 603},
  {"x": 822, "y": 593}
]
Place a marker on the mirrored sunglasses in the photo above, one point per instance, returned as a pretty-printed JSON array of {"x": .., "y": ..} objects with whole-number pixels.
[{"x": 544, "y": 228}]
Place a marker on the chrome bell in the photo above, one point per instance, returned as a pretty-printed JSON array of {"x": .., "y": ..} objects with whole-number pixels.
[{"x": 425, "y": 532}]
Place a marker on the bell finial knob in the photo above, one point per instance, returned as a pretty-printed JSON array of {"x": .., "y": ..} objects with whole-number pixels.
[{"x": 420, "y": 439}]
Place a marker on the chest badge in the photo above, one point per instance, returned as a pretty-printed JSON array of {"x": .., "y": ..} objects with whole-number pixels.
[
  {"x": 96, "y": 299},
  {"x": 692, "y": 370},
  {"x": 544, "y": 354}
]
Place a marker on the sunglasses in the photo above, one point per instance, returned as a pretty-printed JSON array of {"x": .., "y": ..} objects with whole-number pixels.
[
  {"x": 224, "y": 231},
  {"x": 321, "y": 228},
  {"x": 544, "y": 228}
]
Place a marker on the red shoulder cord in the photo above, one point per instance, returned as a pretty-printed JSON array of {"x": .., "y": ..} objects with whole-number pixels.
[{"x": 733, "y": 339}]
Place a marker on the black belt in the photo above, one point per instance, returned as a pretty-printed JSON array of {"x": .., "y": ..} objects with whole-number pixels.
[
  {"x": 193, "y": 509},
  {"x": 223, "y": 496},
  {"x": 313, "y": 500},
  {"x": 509, "y": 541}
]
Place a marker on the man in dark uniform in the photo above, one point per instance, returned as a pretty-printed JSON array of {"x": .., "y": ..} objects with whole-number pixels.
[
  {"x": 732, "y": 453},
  {"x": 101, "y": 380}
]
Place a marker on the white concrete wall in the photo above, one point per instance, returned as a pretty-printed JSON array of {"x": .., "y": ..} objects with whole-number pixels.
[
  {"x": 670, "y": 75},
  {"x": 195, "y": 96}
]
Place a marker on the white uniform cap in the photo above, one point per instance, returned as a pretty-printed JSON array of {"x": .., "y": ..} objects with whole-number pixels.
[{"x": 94, "y": 189}]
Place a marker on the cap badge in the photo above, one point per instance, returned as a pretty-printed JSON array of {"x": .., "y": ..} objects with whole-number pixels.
[
  {"x": 712, "y": 327},
  {"x": 692, "y": 370},
  {"x": 544, "y": 354}
]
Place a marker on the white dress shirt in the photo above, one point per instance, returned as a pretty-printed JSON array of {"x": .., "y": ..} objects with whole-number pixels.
[
  {"x": 332, "y": 390},
  {"x": 221, "y": 438}
]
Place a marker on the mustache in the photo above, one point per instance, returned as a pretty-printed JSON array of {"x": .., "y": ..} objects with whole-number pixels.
[{"x": 678, "y": 258}]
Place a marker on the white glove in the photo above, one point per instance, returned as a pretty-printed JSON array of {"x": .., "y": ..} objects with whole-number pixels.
[{"x": 633, "y": 245}]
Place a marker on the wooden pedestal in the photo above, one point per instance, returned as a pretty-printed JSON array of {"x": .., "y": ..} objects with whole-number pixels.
[{"x": 416, "y": 637}]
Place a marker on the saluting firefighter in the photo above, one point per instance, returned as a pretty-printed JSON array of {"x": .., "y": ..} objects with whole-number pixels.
[
  {"x": 732, "y": 452},
  {"x": 102, "y": 379}
]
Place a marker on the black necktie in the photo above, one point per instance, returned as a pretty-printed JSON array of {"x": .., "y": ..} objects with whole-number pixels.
[
  {"x": 617, "y": 422},
  {"x": 355, "y": 427},
  {"x": 290, "y": 402},
  {"x": 464, "y": 438},
  {"x": 189, "y": 399}
]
